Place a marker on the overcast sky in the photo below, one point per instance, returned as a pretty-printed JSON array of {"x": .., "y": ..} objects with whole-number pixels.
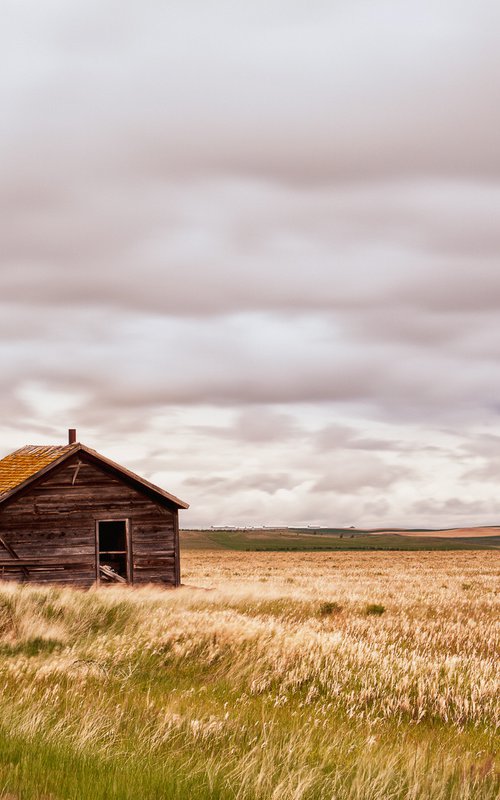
[{"x": 251, "y": 250}]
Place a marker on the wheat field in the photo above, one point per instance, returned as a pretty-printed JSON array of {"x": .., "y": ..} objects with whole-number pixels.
[{"x": 269, "y": 676}]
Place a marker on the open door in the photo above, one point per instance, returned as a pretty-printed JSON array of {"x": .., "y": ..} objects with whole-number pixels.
[{"x": 113, "y": 551}]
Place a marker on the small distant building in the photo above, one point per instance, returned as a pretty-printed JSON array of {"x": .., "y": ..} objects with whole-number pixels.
[{"x": 70, "y": 515}]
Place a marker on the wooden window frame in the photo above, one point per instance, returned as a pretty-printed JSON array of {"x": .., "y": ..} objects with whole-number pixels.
[{"x": 128, "y": 543}]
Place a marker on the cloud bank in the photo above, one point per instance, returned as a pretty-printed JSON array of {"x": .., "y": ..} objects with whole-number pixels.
[{"x": 253, "y": 251}]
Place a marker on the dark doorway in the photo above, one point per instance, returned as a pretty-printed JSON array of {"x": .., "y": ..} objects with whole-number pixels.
[{"x": 113, "y": 551}]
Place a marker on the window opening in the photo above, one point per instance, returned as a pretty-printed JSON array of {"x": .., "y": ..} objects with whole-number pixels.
[{"x": 112, "y": 544}]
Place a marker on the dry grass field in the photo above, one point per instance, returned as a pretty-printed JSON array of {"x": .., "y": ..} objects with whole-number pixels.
[{"x": 270, "y": 676}]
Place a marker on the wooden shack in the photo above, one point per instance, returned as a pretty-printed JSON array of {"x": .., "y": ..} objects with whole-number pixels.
[{"x": 70, "y": 515}]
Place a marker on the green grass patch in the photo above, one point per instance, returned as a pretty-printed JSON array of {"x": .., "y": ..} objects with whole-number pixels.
[
  {"x": 301, "y": 540},
  {"x": 328, "y": 608},
  {"x": 374, "y": 610},
  {"x": 30, "y": 647}
]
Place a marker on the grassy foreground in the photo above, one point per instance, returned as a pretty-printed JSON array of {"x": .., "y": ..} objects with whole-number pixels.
[{"x": 343, "y": 676}]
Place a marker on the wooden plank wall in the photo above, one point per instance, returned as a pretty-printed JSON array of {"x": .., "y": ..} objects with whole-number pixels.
[{"x": 56, "y": 518}]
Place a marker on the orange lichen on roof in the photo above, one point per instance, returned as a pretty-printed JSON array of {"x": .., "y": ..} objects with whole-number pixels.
[{"x": 25, "y": 463}]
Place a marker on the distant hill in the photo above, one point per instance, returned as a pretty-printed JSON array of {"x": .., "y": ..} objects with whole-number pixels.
[{"x": 328, "y": 539}]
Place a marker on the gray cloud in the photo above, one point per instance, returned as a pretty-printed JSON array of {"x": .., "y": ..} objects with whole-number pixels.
[
  {"x": 256, "y": 425},
  {"x": 250, "y": 359},
  {"x": 454, "y": 510},
  {"x": 291, "y": 92},
  {"x": 402, "y": 252},
  {"x": 353, "y": 472},
  {"x": 262, "y": 482},
  {"x": 342, "y": 437}
]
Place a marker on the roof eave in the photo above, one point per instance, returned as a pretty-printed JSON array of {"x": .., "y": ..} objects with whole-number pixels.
[{"x": 136, "y": 478}]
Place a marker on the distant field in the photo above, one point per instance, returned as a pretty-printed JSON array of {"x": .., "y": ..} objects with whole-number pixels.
[
  {"x": 486, "y": 531},
  {"x": 305, "y": 539}
]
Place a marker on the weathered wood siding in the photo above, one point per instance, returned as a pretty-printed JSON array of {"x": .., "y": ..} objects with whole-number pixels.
[{"x": 56, "y": 518}]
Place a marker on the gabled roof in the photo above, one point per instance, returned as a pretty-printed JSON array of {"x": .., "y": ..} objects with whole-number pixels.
[{"x": 22, "y": 467}]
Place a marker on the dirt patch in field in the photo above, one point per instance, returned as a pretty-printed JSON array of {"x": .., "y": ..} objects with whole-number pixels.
[{"x": 453, "y": 533}]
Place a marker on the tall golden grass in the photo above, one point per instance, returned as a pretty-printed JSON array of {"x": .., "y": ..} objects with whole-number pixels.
[{"x": 285, "y": 676}]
